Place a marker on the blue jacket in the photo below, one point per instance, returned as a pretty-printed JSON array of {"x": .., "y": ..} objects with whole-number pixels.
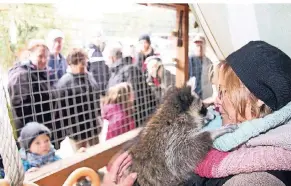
[
  {"x": 30, "y": 160},
  {"x": 57, "y": 68}
]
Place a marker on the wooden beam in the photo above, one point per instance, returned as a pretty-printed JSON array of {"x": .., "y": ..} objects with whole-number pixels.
[
  {"x": 182, "y": 52},
  {"x": 95, "y": 157}
]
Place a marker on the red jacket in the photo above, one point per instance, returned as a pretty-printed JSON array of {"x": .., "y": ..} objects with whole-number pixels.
[{"x": 119, "y": 121}]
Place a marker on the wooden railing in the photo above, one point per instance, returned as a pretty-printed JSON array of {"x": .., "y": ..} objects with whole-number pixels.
[{"x": 95, "y": 157}]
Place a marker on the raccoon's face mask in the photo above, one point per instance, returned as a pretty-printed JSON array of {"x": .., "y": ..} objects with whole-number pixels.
[
  {"x": 202, "y": 109},
  {"x": 207, "y": 115}
]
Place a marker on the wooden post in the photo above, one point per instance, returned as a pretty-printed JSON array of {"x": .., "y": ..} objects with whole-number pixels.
[{"x": 182, "y": 52}]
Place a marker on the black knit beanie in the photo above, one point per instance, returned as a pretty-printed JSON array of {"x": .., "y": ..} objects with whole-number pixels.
[
  {"x": 266, "y": 72},
  {"x": 145, "y": 37},
  {"x": 29, "y": 132}
]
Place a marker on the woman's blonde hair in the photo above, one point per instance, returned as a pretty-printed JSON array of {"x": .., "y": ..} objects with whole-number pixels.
[
  {"x": 239, "y": 95},
  {"x": 213, "y": 72},
  {"x": 119, "y": 94}
]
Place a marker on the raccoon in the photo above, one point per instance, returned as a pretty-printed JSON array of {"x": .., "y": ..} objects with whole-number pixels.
[{"x": 171, "y": 144}]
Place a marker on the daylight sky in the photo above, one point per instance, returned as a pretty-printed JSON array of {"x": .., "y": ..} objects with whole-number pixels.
[{"x": 94, "y": 8}]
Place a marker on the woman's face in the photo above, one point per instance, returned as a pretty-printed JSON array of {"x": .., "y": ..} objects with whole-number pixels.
[
  {"x": 225, "y": 105},
  {"x": 226, "y": 108},
  {"x": 39, "y": 57}
]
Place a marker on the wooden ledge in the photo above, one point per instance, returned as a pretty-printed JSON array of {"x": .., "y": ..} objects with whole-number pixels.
[{"x": 95, "y": 157}]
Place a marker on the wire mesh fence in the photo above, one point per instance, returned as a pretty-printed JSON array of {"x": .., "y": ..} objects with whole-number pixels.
[
  {"x": 65, "y": 95},
  {"x": 97, "y": 76}
]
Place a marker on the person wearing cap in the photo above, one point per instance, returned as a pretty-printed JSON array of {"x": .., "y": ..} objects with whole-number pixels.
[
  {"x": 29, "y": 89},
  {"x": 146, "y": 51},
  {"x": 36, "y": 148},
  {"x": 199, "y": 67},
  {"x": 254, "y": 93},
  {"x": 57, "y": 62},
  {"x": 159, "y": 78}
]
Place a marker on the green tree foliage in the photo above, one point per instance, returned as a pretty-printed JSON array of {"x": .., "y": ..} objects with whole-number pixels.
[
  {"x": 5, "y": 46},
  {"x": 31, "y": 21}
]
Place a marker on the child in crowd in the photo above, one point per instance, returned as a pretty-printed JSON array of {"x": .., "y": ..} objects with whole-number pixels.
[
  {"x": 36, "y": 148},
  {"x": 117, "y": 109}
]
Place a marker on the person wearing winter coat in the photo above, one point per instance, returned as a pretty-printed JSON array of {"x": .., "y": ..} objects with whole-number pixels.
[
  {"x": 117, "y": 108},
  {"x": 36, "y": 148},
  {"x": 97, "y": 66},
  {"x": 200, "y": 66},
  {"x": 146, "y": 51},
  {"x": 159, "y": 78},
  {"x": 57, "y": 62},
  {"x": 255, "y": 94},
  {"x": 29, "y": 88},
  {"x": 78, "y": 102}
]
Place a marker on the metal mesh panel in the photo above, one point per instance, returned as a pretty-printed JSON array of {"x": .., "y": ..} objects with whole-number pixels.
[
  {"x": 70, "y": 104},
  {"x": 94, "y": 94}
]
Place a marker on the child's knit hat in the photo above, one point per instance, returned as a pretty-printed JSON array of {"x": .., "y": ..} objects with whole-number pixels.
[{"x": 30, "y": 131}]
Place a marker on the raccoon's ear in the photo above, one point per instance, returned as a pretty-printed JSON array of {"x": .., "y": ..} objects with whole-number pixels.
[{"x": 192, "y": 83}]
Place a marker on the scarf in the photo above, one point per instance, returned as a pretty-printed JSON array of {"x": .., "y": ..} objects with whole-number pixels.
[
  {"x": 269, "y": 151},
  {"x": 36, "y": 160},
  {"x": 253, "y": 128},
  {"x": 219, "y": 164}
]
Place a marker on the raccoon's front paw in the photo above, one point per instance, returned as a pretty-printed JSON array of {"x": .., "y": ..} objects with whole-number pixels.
[
  {"x": 230, "y": 128},
  {"x": 223, "y": 130}
]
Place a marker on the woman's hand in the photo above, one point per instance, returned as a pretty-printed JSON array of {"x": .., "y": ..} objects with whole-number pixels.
[{"x": 115, "y": 175}]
